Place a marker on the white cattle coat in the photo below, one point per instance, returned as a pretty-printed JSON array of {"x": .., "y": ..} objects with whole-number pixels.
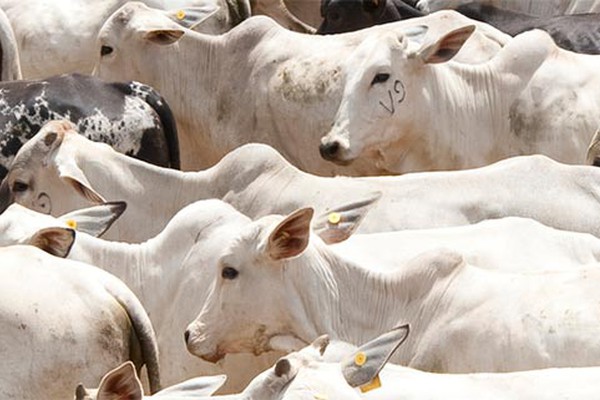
[
  {"x": 258, "y": 181},
  {"x": 61, "y": 322}
]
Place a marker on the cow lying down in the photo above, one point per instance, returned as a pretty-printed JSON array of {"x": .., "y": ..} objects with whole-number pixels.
[{"x": 313, "y": 373}]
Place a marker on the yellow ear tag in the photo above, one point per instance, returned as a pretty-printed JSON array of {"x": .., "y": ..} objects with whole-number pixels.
[
  {"x": 334, "y": 218},
  {"x": 180, "y": 15},
  {"x": 374, "y": 384},
  {"x": 360, "y": 359},
  {"x": 71, "y": 223},
  {"x": 319, "y": 396}
]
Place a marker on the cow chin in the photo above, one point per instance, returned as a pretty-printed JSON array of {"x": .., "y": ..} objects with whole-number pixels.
[{"x": 213, "y": 358}]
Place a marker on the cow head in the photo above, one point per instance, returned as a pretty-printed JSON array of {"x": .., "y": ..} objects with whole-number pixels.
[
  {"x": 46, "y": 175},
  {"x": 246, "y": 306},
  {"x": 131, "y": 41},
  {"x": 385, "y": 92},
  {"x": 257, "y": 299}
]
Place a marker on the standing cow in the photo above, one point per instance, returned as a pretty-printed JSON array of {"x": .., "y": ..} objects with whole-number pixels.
[
  {"x": 292, "y": 76},
  {"x": 414, "y": 109},
  {"x": 278, "y": 286}
]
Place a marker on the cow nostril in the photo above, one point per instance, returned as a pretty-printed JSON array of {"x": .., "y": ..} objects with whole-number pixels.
[
  {"x": 329, "y": 150},
  {"x": 186, "y": 335}
]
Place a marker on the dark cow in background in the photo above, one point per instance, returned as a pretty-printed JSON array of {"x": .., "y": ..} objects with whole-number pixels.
[
  {"x": 577, "y": 32},
  {"x": 351, "y": 15},
  {"x": 131, "y": 117}
]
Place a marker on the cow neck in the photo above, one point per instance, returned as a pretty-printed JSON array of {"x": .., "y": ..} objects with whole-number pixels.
[
  {"x": 143, "y": 185},
  {"x": 147, "y": 268},
  {"x": 487, "y": 90},
  {"x": 355, "y": 304}
]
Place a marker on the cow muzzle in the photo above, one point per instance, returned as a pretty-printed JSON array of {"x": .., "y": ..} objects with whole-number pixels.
[{"x": 335, "y": 152}]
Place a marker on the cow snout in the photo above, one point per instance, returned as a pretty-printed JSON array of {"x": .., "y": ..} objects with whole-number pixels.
[{"x": 330, "y": 151}]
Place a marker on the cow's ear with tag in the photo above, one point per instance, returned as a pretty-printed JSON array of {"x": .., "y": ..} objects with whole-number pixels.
[
  {"x": 362, "y": 368},
  {"x": 340, "y": 223},
  {"x": 290, "y": 237},
  {"x": 192, "y": 17},
  {"x": 95, "y": 220},
  {"x": 445, "y": 48},
  {"x": 55, "y": 241},
  {"x": 121, "y": 383}
]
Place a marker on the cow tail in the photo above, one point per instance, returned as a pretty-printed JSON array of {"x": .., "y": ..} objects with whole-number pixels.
[
  {"x": 142, "y": 327},
  {"x": 166, "y": 117}
]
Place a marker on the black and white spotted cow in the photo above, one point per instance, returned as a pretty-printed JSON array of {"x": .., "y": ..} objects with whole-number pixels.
[{"x": 131, "y": 117}]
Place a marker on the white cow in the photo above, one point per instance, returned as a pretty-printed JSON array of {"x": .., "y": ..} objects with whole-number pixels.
[
  {"x": 59, "y": 171},
  {"x": 62, "y": 321},
  {"x": 366, "y": 368},
  {"x": 165, "y": 264},
  {"x": 11, "y": 63},
  {"x": 543, "y": 8},
  {"x": 292, "y": 76},
  {"x": 532, "y": 97},
  {"x": 279, "y": 287},
  {"x": 59, "y": 37},
  {"x": 157, "y": 272}
]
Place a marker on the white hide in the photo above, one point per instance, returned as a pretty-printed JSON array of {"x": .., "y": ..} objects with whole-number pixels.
[
  {"x": 542, "y": 8},
  {"x": 290, "y": 288},
  {"x": 11, "y": 64},
  {"x": 56, "y": 37},
  {"x": 532, "y": 97},
  {"x": 293, "y": 76},
  {"x": 61, "y": 322},
  {"x": 258, "y": 181},
  {"x": 505, "y": 244},
  {"x": 156, "y": 271}
]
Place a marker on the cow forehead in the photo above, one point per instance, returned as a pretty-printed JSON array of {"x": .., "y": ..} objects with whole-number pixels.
[{"x": 135, "y": 15}]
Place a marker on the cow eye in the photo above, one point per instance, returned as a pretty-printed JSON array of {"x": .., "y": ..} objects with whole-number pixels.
[
  {"x": 19, "y": 186},
  {"x": 380, "y": 78},
  {"x": 106, "y": 50},
  {"x": 229, "y": 273}
]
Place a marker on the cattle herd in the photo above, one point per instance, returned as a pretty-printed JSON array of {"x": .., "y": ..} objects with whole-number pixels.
[{"x": 300, "y": 199}]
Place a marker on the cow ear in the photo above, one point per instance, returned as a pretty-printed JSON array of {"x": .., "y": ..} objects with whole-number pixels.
[
  {"x": 191, "y": 17},
  {"x": 290, "y": 237},
  {"x": 121, "y": 383},
  {"x": 363, "y": 367},
  {"x": 340, "y": 223},
  {"x": 95, "y": 220},
  {"x": 55, "y": 241},
  {"x": 446, "y": 47},
  {"x": 72, "y": 175},
  {"x": 164, "y": 36}
]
